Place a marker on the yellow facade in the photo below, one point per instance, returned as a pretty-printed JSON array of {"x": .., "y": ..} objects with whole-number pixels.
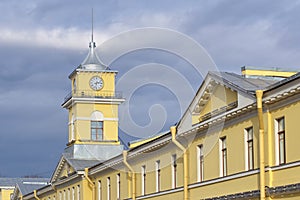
[
  {"x": 5, "y": 193},
  {"x": 235, "y": 147}
]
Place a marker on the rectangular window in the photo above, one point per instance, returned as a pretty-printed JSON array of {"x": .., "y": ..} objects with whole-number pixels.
[
  {"x": 249, "y": 151},
  {"x": 157, "y": 173},
  {"x": 223, "y": 157},
  {"x": 73, "y": 193},
  {"x": 78, "y": 192},
  {"x": 143, "y": 179},
  {"x": 99, "y": 190},
  {"x": 97, "y": 130},
  {"x": 200, "y": 163},
  {"x": 69, "y": 194},
  {"x": 108, "y": 188},
  {"x": 174, "y": 171},
  {"x": 118, "y": 187},
  {"x": 281, "y": 140}
]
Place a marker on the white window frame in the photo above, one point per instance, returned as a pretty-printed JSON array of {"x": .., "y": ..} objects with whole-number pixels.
[
  {"x": 108, "y": 188},
  {"x": 174, "y": 170},
  {"x": 143, "y": 178},
  {"x": 118, "y": 186},
  {"x": 200, "y": 163},
  {"x": 73, "y": 193},
  {"x": 99, "y": 190},
  {"x": 246, "y": 144},
  {"x": 223, "y": 161},
  {"x": 157, "y": 175},
  {"x": 78, "y": 192},
  {"x": 276, "y": 138}
]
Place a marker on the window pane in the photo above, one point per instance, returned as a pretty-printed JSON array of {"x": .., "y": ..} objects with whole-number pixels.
[
  {"x": 281, "y": 125},
  {"x": 250, "y": 133}
]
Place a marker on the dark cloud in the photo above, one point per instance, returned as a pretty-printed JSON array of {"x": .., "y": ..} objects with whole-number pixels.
[{"x": 41, "y": 43}]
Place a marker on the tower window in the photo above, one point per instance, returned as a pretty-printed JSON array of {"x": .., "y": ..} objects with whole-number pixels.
[{"x": 97, "y": 130}]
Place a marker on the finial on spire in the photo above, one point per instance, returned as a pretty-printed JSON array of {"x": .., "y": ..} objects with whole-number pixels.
[
  {"x": 92, "y": 43},
  {"x": 92, "y": 24}
]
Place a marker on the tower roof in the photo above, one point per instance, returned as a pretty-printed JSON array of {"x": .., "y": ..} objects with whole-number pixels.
[{"x": 92, "y": 61}]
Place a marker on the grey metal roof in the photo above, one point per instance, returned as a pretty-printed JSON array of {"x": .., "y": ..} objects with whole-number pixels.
[
  {"x": 27, "y": 186},
  {"x": 8, "y": 182},
  {"x": 92, "y": 61},
  {"x": 244, "y": 83},
  {"x": 81, "y": 164}
]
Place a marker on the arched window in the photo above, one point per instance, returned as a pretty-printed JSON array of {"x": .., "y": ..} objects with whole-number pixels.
[{"x": 97, "y": 126}]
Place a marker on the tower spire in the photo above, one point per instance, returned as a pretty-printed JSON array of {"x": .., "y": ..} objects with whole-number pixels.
[
  {"x": 92, "y": 61},
  {"x": 92, "y": 25}
]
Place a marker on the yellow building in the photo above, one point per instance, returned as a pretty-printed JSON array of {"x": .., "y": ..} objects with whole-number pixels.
[{"x": 237, "y": 140}]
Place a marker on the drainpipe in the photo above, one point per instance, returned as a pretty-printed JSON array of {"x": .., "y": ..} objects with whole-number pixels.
[
  {"x": 86, "y": 174},
  {"x": 133, "y": 195},
  {"x": 185, "y": 162},
  {"x": 35, "y": 195},
  {"x": 259, "y": 94}
]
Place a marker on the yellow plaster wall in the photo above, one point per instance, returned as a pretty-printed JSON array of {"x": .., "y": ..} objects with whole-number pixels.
[
  {"x": 82, "y": 115},
  {"x": 235, "y": 150},
  {"x": 291, "y": 114},
  {"x": 83, "y": 80},
  {"x": 5, "y": 193},
  {"x": 221, "y": 188}
]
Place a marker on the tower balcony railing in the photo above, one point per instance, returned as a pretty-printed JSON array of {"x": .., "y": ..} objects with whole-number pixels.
[{"x": 94, "y": 94}]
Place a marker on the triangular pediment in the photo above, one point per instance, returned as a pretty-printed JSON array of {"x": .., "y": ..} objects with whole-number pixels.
[
  {"x": 62, "y": 170},
  {"x": 215, "y": 97}
]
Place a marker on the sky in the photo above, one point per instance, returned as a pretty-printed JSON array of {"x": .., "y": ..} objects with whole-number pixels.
[{"x": 43, "y": 41}]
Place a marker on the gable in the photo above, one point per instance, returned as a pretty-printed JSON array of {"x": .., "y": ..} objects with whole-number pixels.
[
  {"x": 216, "y": 96},
  {"x": 219, "y": 99},
  {"x": 63, "y": 170}
]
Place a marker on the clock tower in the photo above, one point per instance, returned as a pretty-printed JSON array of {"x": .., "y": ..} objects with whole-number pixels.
[{"x": 93, "y": 110}]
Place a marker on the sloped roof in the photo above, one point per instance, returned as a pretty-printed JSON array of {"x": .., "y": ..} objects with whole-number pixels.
[
  {"x": 79, "y": 164},
  {"x": 245, "y": 84},
  {"x": 11, "y": 182},
  {"x": 28, "y": 186}
]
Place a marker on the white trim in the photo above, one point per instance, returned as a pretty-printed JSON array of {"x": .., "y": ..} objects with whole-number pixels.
[
  {"x": 276, "y": 145},
  {"x": 284, "y": 166},
  {"x": 143, "y": 170},
  {"x": 78, "y": 192},
  {"x": 200, "y": 169},
  {"x": 160, "y": 193},
  {"x": 225, "y": 178},
  {"x": 246, "y": 149},
  {"x": 108, "y": 187},
  {"x": 7, "y": 187},
  {"x": 99, "y": 190},
  {"x": 97, "y": 116},
  {"x": 220, "y": 159},
  {"x": 118, "y": 186},
  {"x": 89, "y": 119},
  {"x": 173, "y": 160},
  {"x": 157, "y": 178}
]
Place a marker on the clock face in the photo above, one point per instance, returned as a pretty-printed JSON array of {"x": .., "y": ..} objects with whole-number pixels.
[{"x": 96, "y": 83}]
